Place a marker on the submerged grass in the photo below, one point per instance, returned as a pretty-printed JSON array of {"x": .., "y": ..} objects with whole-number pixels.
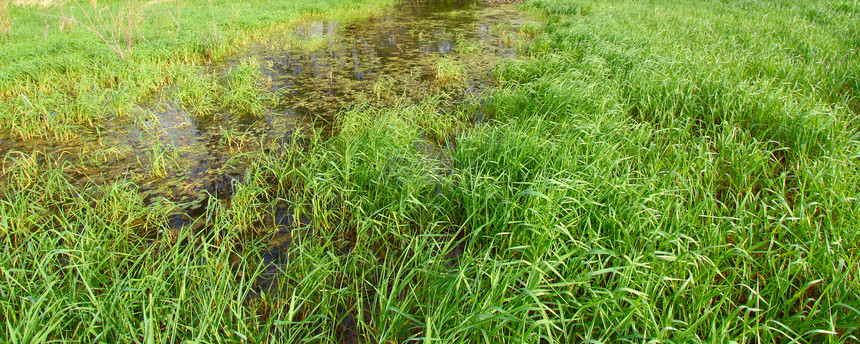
[
  {"x": 669, "y": 173},
  {"x": 449, "y": 72}
]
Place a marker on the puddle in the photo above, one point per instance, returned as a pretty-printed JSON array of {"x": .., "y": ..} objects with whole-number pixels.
[{"x": 419, "y": 49}]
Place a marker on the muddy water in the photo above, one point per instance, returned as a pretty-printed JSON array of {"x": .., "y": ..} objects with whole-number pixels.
[{"x": 317, "y": 69}]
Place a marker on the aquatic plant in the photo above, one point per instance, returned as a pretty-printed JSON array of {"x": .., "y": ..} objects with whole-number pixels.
[
  {"x": 383, "y": 87},
  {"x": 244, "y": 92},
  {"x": 449, "y": 71}
]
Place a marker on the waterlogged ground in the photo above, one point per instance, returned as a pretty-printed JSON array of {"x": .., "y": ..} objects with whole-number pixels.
[
  {"x": 651, "y": 169},
  {"x": 414, "y": 52},
  {"x": 419, "y": 50}
]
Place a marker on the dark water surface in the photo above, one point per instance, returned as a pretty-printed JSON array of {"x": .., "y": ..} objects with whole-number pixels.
[{"x": 317, "y": 69}]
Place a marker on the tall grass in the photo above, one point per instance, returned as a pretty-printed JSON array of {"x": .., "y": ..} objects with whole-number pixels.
[{"x": 651, "y": 172}]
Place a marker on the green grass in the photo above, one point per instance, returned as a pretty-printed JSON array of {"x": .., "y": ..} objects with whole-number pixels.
[
  {"x": 449, "y": 72},
  {"x": 72, "y": 65},
  {"x": 652, "y": 171}
]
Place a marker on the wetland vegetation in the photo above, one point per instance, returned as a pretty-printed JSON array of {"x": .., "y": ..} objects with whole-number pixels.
[{"x": 363, "y": 171}]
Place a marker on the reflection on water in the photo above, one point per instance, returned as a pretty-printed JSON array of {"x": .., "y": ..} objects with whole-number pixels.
[{"x": 318, "y": 69}]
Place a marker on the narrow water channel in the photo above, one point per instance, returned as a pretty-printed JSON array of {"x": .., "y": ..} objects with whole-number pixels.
[{"x": 317, "y": 70}]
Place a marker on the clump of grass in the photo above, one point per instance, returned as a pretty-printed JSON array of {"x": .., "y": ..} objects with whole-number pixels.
[
  {"x": 382, "y": 87},
  {"x": 560, "y": 8},
  {"x": 241, "y": 91},
  {"x": 468, "y": 47},
  {"x": 436, "y": 125},
  {"x": 530, "y": 29},
  {"x": 449, "y": 72},
  {"x": 244, "y": 92},
  {"x": 200, "y": 91},
  {"x": 237, "y": 140},
  {"x": 162, "y": 157}
]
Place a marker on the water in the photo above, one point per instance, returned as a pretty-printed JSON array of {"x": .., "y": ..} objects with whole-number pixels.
[
  {"x": 390, "y": 58},
  {"x": 318, "y": 69}
]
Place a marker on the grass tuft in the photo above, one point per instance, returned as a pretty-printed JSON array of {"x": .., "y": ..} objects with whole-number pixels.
[
  {"x": 449, "y": 72},
  {"x": 244, "y": 91}
]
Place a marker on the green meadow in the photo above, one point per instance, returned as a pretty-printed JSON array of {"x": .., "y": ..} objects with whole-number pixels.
[{"x": 649, "y": 171}]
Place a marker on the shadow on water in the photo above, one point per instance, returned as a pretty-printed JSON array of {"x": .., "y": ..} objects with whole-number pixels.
[{"x": 317, "y": 69}]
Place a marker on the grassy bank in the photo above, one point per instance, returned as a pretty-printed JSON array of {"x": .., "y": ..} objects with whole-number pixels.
[{"x": 653, "y": 171}]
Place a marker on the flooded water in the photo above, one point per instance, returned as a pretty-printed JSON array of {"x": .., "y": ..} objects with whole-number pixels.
[
  {"x": 420, "y": 49},
  {"x": 389, "y": 59}
]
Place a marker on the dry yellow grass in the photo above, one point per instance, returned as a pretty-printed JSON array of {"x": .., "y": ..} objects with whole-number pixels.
[
  {"x": 5, "y": 22},
  {"x": 34, "y": 3},
  {"x": 155, "y": 2},
  {"x": 44, "y": 3}
]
